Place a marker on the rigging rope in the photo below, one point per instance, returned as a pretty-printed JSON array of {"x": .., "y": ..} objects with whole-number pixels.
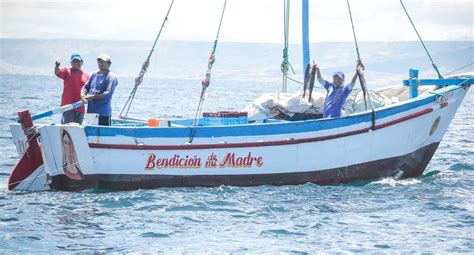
[
  {"x": 207, "y": 79},
  {"x": 360, "y": 75},
  {"x": 422, "y": 43},
  {"x": 145, "y": 65},
  {"x": 353, "y": 31},
  {"x": 457, "y": 69},
  {"x": 285, "y": 64}
]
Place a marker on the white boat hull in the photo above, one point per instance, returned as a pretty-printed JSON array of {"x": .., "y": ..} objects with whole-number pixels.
[{"x": 326, "y": 151}]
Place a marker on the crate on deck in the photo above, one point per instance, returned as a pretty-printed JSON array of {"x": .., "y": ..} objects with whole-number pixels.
[{"x": 224, "y": 118}]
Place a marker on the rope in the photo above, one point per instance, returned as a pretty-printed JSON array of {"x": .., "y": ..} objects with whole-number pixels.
[
  {"x": 440, "y": 95},
  {"x": 458, "y": 69},
  {"x": 219, "y": 29},
  {"x": 145, "y": 65},
  {"x": 285, "y": 64},
  {"x": 360, "y": 75},
  {"x": 462, "y": 83},
  {"x": 30, "y": 130},
  {"x": 32, "y": 133},
  {"x": 300, "y": 82},
  {"x": 353, "y": 30},
  {"x": 421, "y": 40},
  {"x": 294, "y": 80},
  {"x": 365, "y": 91},
  {"x": 286, "y": 25},
  {"x": 207, "y": 79}
]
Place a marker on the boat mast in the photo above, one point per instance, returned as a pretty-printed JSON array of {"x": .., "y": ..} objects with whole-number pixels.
[
  {"x": 305, "y": 39},
  {"x": 285, "y": 64}
]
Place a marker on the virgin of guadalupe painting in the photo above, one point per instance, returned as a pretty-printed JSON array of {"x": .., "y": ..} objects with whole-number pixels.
[{"x": 70, "y": 164}]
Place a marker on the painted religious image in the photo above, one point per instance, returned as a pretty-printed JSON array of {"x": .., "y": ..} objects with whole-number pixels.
[{"x": 70, "y": 163}]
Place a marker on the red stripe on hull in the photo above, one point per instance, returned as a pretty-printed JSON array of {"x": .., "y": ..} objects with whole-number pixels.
[{"x": 405, "y": 118}]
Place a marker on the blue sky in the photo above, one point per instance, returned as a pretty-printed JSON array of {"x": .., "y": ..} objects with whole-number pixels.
[{"x": 245, "y": 20}]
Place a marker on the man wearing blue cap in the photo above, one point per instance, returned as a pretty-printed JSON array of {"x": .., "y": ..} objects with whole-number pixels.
[
  {"x": 74, "y": 79},
  {"x": 337, "y": 93}
]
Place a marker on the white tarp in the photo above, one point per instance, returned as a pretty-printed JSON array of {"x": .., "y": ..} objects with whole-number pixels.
[
  {"x": 356, "y": 103},
  {"x": 270, "y": 105}
]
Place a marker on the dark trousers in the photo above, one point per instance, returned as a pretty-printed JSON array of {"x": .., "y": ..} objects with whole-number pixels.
[
  {"x": 105, "y": 121},
  {"x": 72, "y": 116}
]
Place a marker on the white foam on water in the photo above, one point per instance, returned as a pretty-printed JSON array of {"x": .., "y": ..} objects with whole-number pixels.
[{"x": 394, "y": 182}]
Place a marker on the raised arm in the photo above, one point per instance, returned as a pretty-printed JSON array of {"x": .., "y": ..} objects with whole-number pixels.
[
  {"x": 359, "y": 73},
  {"x": 320, "y": 78},
  {"x": 56, "y": 68},
  {"x": 353, "y": 81},
  {"x": 61, "y": 73},
  {"x": 362, "y": 76}
]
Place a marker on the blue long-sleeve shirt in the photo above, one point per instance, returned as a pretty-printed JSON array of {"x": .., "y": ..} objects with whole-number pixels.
[{"x": 104, "y": 85}]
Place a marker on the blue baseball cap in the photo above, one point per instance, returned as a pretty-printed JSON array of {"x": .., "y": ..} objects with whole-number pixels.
[
  {"x": 76, "y": 56},
  {"x": 340, "y": 74}
]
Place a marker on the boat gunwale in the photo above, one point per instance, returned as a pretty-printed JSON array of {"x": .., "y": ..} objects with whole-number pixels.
[{"x": 257, "y": 144}]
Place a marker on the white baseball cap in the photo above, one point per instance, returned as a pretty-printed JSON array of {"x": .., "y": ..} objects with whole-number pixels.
[
  {"x": 340, "y": 74},
  {"x": 105, "y": 57}
]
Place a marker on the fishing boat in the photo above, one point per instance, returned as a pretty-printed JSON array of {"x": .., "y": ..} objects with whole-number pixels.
[{"x": 213, "y": 149}]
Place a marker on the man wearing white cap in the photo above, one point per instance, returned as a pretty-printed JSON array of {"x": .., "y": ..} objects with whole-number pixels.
[
  {"x": 99, "y": 89},
  {"x": 337, "y": 93},
  {"x": 74, "y": 79}
]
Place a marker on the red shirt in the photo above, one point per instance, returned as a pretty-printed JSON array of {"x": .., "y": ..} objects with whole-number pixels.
[{"x": 74, "y": 80}]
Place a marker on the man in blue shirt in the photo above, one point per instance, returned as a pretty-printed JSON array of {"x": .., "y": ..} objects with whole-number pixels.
[
  {"x": 337, "y": 93},
  {"x": 99, "y": 89}
]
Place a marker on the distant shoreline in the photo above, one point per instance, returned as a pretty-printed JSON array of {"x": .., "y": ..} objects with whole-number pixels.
[
  {"x": 175, "y": 59},
  {"x": 222, "y": 41}
]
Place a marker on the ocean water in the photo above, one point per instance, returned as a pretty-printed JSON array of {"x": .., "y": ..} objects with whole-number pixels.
[{"x": 433, "y": 213}]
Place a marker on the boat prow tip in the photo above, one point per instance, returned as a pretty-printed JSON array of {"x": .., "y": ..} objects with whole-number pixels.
[
  {"x": 28, "y": 174},
  {"x": 26, "y": 171}
]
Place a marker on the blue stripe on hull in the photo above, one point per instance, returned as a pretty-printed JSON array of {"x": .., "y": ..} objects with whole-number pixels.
[
  {"x": 220, "y": 131},
  {"x": 386, "y": 112},
  {"x": 258, "y": 129}
]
